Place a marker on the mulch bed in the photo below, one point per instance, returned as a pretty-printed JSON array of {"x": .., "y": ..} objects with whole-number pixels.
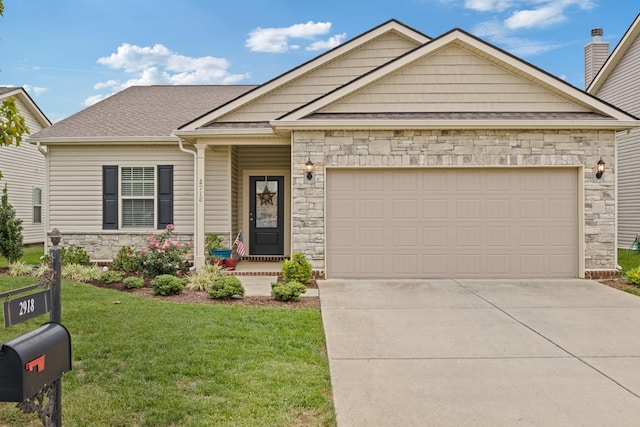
[{"x": 201, "y": 297}]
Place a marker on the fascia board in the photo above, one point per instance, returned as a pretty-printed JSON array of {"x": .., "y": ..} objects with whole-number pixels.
[
  {"x": 24, "y": 97},
  {"x": 225, "y": 132},
  {"x": 289, "y": 125},
  {"x": 103, "y": 140},
  {"x": 522, "y": 68},
  {"x": 304, "y": 69}
]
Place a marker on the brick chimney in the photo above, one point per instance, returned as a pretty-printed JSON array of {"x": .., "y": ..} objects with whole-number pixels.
[{"x": 596, "y": 53}]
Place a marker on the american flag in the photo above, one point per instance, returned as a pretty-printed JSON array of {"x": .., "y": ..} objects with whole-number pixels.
[{"x": 239, "y": 244}]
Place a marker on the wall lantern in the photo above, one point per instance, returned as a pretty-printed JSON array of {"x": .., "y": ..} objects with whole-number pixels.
[
  {"x": 599, "y": 168},
  {"x": 309, "y": 168}
]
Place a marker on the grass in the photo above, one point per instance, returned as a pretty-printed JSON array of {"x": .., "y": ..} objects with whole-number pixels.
[
  {"x": 143, "y": 362},
  {"x": 628, "y": 259},
  {"x": 31, "y": 255}
]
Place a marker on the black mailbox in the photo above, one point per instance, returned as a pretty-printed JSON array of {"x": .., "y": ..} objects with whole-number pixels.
[{"x": 31, "y": 361}]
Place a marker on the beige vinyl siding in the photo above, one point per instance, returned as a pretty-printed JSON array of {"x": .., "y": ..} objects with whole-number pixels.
[
  {"x": 217, "y": 193},
  {"x": 236, "y": 193},
  {"x": 336, "y": 73},
  {"x": 622, "y": 87},
  {"x": 595, "y": 55},
  {"x": 76, "y": 183},
  {"x": 628, "y": 187},
  {"x": 452, "y": 79},
  {"x": 23, "y": 168}
]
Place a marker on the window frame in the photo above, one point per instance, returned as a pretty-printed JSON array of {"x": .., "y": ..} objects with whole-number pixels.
[
  {"x": 36, "y": 206},
  {"x": 122, "y": 198}
]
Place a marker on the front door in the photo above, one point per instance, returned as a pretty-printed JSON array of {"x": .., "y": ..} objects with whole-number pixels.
[{"x": 266, "y": 215}]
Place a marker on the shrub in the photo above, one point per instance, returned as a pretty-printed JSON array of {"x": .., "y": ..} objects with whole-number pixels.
[
  {"x": 289, "y": 291},
  {"x": 633, "y": 276},
  {"x": 110, "y": 277},
  {"x": 297, "y": 269},
  {"x": 20, "y": 268},
  {"x": 11, "y": 245},
  {"x": 226, "y": 287},
  {"x": 75, "y": 255},
  {"x": 126, "y": 260},
  {"x": 162, "y": 255},
  {"x": 166, "y": 284},
  {"x": 202, "y": 279},
  {"x": 133, "y": 282},
  {"x": 81, "y": 273}
]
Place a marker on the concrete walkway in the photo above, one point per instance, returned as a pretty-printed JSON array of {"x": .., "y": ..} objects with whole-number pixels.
[{"x": 482, "y": 353}]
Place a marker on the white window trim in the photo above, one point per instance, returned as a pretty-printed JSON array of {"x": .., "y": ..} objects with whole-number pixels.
[{"x": 121, "y": 198}]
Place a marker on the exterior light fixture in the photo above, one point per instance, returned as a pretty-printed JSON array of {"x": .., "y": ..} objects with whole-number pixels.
[
  {"x": 600, "y": 168},
  {"x": 309, "y": 168}
]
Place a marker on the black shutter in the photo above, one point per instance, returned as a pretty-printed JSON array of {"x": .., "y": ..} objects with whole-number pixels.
[
  {"x": 109, "y": 197},
  {"x": 165, "y": 196}
]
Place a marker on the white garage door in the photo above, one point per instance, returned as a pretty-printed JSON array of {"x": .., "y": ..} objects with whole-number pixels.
[{"x": 452, "y": 223}]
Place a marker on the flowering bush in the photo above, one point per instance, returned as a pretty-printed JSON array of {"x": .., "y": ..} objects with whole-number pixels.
[{"x": 161, "y": 255}]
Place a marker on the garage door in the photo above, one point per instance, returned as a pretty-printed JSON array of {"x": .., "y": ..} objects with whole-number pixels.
[{"x": 452, "y": 223}]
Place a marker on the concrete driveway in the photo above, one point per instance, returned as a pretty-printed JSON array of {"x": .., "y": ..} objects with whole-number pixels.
[{"x": 482, "y": 353}]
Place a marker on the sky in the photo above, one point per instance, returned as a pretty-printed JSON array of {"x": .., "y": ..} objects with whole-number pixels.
[{"x": 70, "y": 54}]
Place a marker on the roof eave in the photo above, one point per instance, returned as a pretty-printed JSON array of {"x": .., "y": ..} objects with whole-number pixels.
[
  {"x": 116, "y": 140},
  {"x": 616, "y": 125}
]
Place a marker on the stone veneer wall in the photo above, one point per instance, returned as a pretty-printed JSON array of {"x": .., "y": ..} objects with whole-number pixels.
[
  {"x": 105, "y": 245},
  {"x": 425, "y": 148}
]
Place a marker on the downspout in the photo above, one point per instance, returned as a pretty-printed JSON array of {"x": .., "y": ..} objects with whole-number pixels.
[
  {"x": 45, "y": 153},
  {"x": 195, "y": 195}
]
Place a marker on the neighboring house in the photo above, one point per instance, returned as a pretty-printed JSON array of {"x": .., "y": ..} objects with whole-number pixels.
[
  {"x": 23, "y": 168},
  {"x": 617, "y": 82},
  {"x": 443, "y": 157}
]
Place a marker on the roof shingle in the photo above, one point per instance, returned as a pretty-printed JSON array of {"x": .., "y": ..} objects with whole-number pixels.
[{"x": 143, "y": 111}]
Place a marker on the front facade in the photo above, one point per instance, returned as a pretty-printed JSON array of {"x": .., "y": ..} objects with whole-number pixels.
[
  {"x": 23, "y": 169},
  {"x": 617, "y": 83},
  {"x": 392, "y": 155}
]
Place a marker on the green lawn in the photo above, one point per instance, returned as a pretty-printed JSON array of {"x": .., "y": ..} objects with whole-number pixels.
[
  {"x": 143, "y": 362},
  {"x": 31, "y": 255},
  {"x": 628, "y": 259}
]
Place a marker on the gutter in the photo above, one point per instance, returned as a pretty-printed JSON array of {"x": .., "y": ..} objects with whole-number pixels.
[
  {"x": 195, "y": 193},
  {"x": 45, "y": 153}
]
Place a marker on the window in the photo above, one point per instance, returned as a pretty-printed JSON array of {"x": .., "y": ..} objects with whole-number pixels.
[
  {"x": 138, "y": 196},
  {"x": 37, "y": 206}
]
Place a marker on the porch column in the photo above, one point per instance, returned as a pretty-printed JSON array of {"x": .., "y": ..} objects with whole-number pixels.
[{"x": 200, "y": 257}]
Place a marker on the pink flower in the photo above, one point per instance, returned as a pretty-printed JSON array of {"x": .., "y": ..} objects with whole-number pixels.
[{"x": 170, "y": 227}]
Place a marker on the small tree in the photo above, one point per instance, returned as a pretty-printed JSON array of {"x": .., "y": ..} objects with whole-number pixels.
[{"x": 10, "y": 230}]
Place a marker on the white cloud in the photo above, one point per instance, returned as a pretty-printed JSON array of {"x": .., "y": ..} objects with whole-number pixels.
[
  {"x": 277, "y": 40},
  {"x": 34, "y": 90},
  {"x": 327, "y": 44},
  {"x": 158, "y": 65},
  {"x": 549, "y": 13},
  {"x": 487, "y": 5},
  {"x": 519, "y": 46}
]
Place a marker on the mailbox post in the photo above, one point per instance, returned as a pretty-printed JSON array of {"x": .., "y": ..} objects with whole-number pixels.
[
  {"x": 56, "y": 314},
  {"x": 31, "y": 365}
]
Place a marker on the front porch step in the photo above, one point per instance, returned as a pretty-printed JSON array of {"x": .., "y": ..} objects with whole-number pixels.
[{"x": 265, "y": 265}]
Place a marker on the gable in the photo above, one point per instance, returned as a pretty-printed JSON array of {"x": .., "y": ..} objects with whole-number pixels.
[
  {"x": 314, "y": 78},
  {"x": 321, "y": 80},
  {"x": 619, "y": 83},
  {"x": 452, "y": 79},
  {"x": 456, "y": 81}
]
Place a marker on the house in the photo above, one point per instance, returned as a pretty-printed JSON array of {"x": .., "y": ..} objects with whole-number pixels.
[
  {"x": 23, "y": 169},
  {"x": 614, "y": 79},
  {"x": 391, "y": 155}
]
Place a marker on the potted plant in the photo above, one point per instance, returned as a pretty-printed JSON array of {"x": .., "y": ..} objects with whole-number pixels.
[{"x": 215, "y": 246}]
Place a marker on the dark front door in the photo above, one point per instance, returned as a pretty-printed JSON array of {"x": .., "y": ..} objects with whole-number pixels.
[{"x": 266, "y": 215}]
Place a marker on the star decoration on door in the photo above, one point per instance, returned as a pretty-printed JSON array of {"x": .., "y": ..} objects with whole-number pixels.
[{"x": 266, "y": 197}]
